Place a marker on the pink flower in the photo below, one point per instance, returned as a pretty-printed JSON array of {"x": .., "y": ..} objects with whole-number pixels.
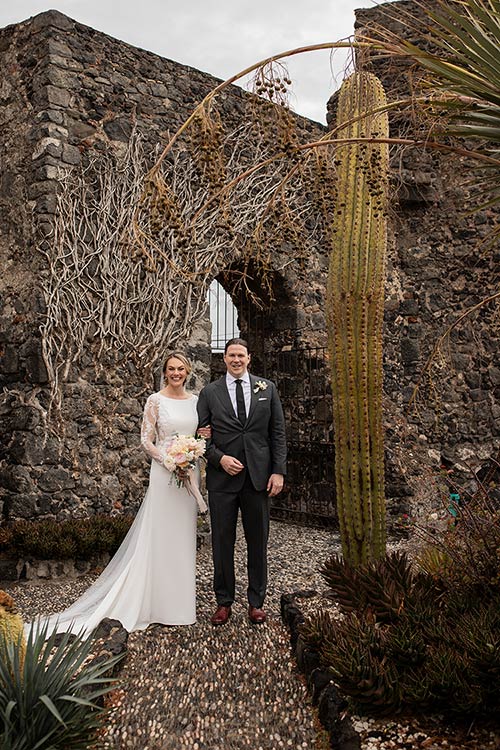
[{"x": 182, "y": 454}]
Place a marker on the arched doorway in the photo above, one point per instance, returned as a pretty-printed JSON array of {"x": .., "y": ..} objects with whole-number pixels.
[{"x": 302, "y": 376}]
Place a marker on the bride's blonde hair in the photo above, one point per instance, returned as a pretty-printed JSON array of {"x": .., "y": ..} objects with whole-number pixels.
[{"x": 178, "y": 355}]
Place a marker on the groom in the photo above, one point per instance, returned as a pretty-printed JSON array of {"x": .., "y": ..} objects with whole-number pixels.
[{"x": 246, "y": 464}]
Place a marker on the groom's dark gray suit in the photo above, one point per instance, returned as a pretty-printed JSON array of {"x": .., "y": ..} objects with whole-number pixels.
[{"x": 261, "y": 447}]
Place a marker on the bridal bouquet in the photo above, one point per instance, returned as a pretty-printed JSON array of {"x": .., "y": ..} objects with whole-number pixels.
[
  {"x": 182, "y": 454},
  {"x": 180, "y": 459}
]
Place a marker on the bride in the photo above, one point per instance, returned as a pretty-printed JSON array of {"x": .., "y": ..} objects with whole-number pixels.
[{"x": 151, "y": 578}]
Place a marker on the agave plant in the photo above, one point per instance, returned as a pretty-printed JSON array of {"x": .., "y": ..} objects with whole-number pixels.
[
  {"x": 461, "y": 58},
  {"x": 51, "y": 702}
]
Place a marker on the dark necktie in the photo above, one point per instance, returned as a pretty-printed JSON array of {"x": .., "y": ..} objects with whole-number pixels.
[{"x": 240, "y": 402}]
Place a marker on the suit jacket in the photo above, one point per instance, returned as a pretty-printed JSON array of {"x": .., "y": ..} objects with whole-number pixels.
[{"x": 259, "y": 444}]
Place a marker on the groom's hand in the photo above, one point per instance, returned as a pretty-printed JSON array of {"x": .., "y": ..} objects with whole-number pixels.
[
  {"x": 274, "y": 484},
  {"x": 231, "y": 465}
]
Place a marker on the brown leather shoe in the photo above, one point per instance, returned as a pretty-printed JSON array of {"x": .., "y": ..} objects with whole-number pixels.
[
  {"x": 256, "y": 615},
  {"x": 221, "y": 615}
]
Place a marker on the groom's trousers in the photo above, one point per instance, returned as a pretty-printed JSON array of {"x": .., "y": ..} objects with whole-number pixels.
[{"x": 254, "y": 506}]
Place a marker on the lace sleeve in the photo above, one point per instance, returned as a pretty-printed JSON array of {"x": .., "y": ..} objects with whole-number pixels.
[{"x": 148, "y": 430}]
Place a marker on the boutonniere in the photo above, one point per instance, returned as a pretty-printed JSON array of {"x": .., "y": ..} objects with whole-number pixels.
[{"x": 259, "y": 386}]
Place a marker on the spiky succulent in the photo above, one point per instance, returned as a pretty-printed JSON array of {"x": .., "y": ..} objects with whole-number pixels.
[
  {"x": 11, "y": 628},
  {"x": 51, "y": 701},
  {"x": 384, "y": 587},
  {"x": 408, "y": 639},
  {"x": 354, "y": 654},
  {"x": 317, "y": 628}
]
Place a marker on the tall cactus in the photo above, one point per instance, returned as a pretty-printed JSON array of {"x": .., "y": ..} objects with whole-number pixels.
[{"x": 355, "y": 308}]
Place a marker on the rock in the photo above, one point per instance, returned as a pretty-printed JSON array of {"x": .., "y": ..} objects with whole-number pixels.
[
  {"x": 292, "y": 616},
  {"x": 114, "y": 634},
  {"x": 330, "y": 704},
  {"x": 344, "y": 737},
  {"x": 71, "y": 154},
  {"x": 56, "y": 479},
  {"x": 410, "y": 350},
  {"x": 317, "y": 681},
  {"x": 110, "y": 488},
  {"x": 21, "y": 505},
  {"x": 52, "y": 18},
  {"x": 17, "y": 479},
  {"x": 8, "y": 569},
  {"x": 307, "y": 659},
  {"x": 118, "y": 129},
  {"x": 494, "y": 375}
]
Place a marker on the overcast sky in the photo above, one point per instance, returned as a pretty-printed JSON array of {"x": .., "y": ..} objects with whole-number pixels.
[{"x": 222, "y": 37}]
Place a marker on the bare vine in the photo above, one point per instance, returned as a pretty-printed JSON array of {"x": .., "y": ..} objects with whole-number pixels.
[
  {"x": 136, "y": 247},
  {"x": 110, "y": 298}
]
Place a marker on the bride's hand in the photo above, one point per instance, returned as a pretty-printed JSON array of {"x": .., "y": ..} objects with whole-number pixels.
[{"x": 205, "y": 432}]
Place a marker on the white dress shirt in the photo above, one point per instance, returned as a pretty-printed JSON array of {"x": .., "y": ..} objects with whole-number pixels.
[{"x": 245, "y": 384}]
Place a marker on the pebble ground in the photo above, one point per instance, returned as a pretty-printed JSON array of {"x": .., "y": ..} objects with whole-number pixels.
[
  {"x": 235, "y": 687},
  {"x": 206, "y": 688}
]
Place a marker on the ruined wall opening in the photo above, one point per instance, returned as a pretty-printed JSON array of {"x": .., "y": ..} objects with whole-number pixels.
[
  {"x": 262, "y": 311},
  {"x": 268, "y": 317}
]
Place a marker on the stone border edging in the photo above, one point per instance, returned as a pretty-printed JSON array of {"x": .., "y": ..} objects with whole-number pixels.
[
  {"x": 324, "y": 694},
  {"x": 114, "y": 639},
  {"x": 43, "y": 569}
]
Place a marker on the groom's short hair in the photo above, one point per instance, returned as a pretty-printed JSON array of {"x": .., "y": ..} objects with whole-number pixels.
[{"x": 235, "y": 342}]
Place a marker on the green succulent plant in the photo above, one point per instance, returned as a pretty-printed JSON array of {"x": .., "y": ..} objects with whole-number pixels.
[
  {"x": 384, "y": 587},
  {"x": 355, "y": 657},
  {"x": 316, "y": 628},
  {"x": 51, "y": 702},
  {"x": 409, "y": 638},
  {"x": 406, "y": 645},
  {"x": 344, "y": 583}
]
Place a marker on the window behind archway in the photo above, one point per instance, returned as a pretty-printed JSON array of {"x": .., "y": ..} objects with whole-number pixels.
[{"x": 223, "y": 316}]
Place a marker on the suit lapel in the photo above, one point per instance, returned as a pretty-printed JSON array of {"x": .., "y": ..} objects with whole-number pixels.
[
  {"x": 254, "y": 397},
  {"x": 225, "y": 398}
]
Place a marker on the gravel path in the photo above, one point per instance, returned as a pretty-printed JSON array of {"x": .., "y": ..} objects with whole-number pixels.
[
  {"x": 207, "y": 688},
  {"x": 236, "y": 686}
]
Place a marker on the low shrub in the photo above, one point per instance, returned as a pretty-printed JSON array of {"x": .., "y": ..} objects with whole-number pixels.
[
  {"x": 467, "y": 553},
  {"x": 80, "y": 538}
]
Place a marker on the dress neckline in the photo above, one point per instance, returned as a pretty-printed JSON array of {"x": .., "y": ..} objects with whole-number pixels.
[{"x": 170, "y": 398}]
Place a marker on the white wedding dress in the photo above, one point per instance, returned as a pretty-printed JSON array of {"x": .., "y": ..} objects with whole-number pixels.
[{"x": 151, "y": 578}]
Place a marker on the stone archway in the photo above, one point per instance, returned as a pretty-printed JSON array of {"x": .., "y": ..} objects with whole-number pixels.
[
  {"x": 301, "y": 373},
  {"x": 267, "y": 314}
]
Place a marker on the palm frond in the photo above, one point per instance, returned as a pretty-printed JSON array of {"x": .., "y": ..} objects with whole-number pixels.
[{"x": 459, "y": 52}]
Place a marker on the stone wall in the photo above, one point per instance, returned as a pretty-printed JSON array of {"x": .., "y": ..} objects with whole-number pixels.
[{"x": 67, "y": 91}]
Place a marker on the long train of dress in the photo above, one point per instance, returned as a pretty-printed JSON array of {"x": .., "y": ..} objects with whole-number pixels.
[{"x": 151, "y": 578}]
